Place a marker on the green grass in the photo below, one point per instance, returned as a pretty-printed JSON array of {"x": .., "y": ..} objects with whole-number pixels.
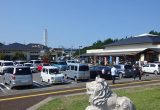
[{"x": 145, "y": 98}]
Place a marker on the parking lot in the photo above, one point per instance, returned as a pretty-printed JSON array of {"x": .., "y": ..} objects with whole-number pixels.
[{"x": 38, "y": 85}]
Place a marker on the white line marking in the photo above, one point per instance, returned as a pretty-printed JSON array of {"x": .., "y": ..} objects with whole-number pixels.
[
  {"x": 38, "y": 84},
  {"x": 5, "y": 86},
  {"x": 2, "y": 90}
]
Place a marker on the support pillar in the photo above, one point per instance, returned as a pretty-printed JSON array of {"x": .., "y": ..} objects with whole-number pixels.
[
  {"x": 159, "y": 57},
  {"x": 105, "y": 61},
  {"x": 142, "y": 57},
  {"x": 94, "y": 60}
]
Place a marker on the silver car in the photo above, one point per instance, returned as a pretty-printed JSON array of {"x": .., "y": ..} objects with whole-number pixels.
[
  {"x": 124, "y": 70},
  {"x": 18, "y": 76}
]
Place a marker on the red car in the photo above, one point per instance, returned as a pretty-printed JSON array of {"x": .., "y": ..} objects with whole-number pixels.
[{"x": 40, "y": 66}]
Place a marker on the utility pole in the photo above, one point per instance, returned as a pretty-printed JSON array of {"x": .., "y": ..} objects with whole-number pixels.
[{"x": 79, "y": 51}]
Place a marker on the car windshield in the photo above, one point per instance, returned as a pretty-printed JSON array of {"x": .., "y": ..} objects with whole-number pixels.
[
  {"x": 117, "y": 66},
  {"x": 28, "y": 65},
  {"x": 62, "y": 63},
  {"x": 53, "y": 71},
  {"x": 46, "y": 64},
  {"x": 21, "y": 62},
  {"x": 8, "y": 64},
  {"x": 103, "y": 67},
  {"x": 37, "y": 61},
  {"x": 128, "y": 66},
  {"x": 9, "y": 70},
  {"x": 83, "y": 68},
  {"x": 23, "y": 71}
]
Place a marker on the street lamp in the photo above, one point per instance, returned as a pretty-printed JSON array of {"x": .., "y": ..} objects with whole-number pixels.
[{"x": 71, "y": 51}]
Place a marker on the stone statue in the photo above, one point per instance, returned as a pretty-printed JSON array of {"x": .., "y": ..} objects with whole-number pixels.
[{"x": 102, "y": 97}]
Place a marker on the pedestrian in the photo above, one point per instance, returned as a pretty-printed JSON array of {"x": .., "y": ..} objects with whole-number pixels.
[
  {"x": 137, "y": 72},
  {"x": 134, "y": 72},
  {"x": 113, "y": 73}
]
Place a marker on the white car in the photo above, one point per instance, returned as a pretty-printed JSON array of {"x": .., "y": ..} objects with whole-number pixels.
[
  {"x": 151, "y": 68},
  {"x": 51, "y": 75},
  {"x": 33, "y": 69},
  {"x": 4, "y": 65}
]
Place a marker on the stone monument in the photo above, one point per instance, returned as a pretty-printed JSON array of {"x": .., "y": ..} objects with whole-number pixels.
[{"x": 102, "y": 97}]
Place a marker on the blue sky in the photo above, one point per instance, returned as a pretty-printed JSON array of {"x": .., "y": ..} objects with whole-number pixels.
[{"x": 76, "y": 22}]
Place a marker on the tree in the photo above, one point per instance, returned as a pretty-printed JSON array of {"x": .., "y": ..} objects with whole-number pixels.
[
  {"x": 47, "y": 57},
  {"x": 154, "y": 32},
  {"x": 96, "y": 45},
  {"x": 1, "y": 44},
  {"x": 2, "y": 56},
  {"x": 19, "y": 56}
]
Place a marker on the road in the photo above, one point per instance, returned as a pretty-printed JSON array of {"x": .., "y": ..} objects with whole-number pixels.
[{"x": 22, "y": 98}]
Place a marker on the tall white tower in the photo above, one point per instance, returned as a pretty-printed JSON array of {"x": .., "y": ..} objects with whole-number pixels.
[{"x": 45, "y": 36}]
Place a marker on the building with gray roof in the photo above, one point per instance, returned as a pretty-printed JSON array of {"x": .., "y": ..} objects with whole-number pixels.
[
  {"x": 32, "y": 50},
  {"x": 145, "y": 47}
]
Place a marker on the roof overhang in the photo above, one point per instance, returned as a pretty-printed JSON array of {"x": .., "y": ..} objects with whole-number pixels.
[{"x": 121, "y": 52}]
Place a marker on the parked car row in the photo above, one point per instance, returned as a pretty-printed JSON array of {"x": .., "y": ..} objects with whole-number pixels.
[
  {"x": 22, "y": 75},
  {"x": 105, "y": 71}
]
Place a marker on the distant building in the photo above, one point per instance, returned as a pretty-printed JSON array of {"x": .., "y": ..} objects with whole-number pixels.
[
  {"x": 32, "y": 51},
  {"x": 69, "y": 52},
  {"x": 62, "y": 53}
]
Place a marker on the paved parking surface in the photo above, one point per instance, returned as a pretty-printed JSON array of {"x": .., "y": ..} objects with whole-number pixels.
[
  {"x": 42, "y": 86},
  {"x": 22, "y": 98},
  {"x": 37, "y": 86}
]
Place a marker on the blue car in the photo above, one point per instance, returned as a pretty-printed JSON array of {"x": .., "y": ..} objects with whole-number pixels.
[{"x": 62, "y": 65}]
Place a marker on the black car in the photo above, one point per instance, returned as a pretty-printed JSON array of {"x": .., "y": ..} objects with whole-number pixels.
[{"x": 100, "y": 71}]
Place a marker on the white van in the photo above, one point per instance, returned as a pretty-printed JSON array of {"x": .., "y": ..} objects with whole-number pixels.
[
  {"x": 18, "y": 76},
  {"x": 51, "y": 75},
  {"x": 77, "y": 71}
]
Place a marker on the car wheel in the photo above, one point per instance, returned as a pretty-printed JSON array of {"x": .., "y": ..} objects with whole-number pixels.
[
  {"x": 156, "y": 72},
  {"x": 30, "y": 86},
  {"x": 98, "y": 76},
  {"x": 75, "y": 79},
  {"x": 10, "y": 85},
  {"x": 4, "y": 81},
  {"x": 65, "y": 76},
  {"x": 49, "y": 81},
  {"x": 41, "y": 79},
  {"x": 120, "y": 76}
]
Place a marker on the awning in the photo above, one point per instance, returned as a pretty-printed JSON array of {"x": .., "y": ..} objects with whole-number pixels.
[
  {"x": 121, "y": 52},
  {"x": 111, "y": 53}
]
